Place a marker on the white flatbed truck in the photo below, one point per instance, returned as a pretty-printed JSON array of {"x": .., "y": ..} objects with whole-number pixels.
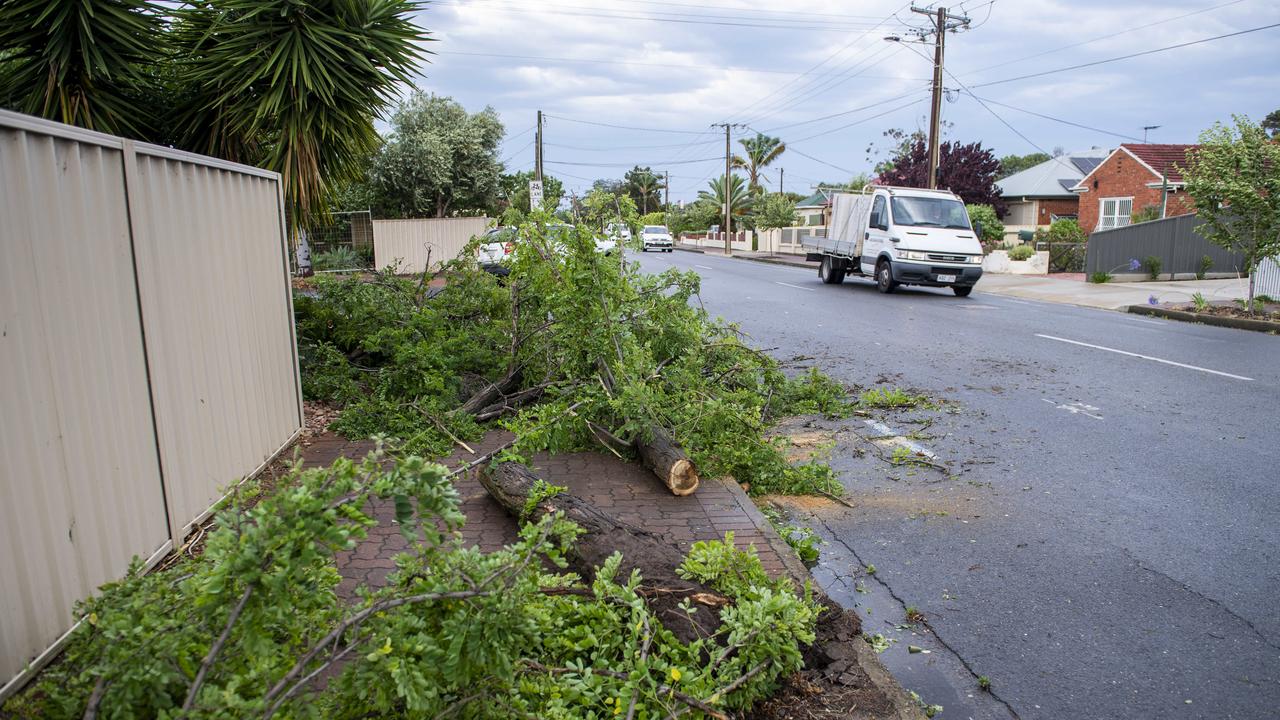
[{"x": 899, "y": 236}]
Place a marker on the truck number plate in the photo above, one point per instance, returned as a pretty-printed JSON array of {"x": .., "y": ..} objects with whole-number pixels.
[{"x": 946, "y": 278}]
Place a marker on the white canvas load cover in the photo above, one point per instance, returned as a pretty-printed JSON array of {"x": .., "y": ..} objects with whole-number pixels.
[{"x": 849, "y": 215}]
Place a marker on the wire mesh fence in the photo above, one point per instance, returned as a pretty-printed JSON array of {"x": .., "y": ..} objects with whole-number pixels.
[{"x": 342, "y": 241}]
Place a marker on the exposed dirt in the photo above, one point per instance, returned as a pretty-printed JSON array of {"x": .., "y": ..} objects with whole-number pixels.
[
  {"x": 1269, "y": 311},
  {"x": 833, "y": 683}
]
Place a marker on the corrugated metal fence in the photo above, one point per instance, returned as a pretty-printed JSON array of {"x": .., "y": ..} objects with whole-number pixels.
[
  {"x": 146, "y": 341},
  {"x": 410, "y": 245},
  {"x": 1174, "y": 240},
  {"x": 1267, "y": 278}
]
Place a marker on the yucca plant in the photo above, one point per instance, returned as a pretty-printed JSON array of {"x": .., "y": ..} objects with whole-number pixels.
[
  {"x": 83, "y": 62},
  {"x": 294, "y": 86}
]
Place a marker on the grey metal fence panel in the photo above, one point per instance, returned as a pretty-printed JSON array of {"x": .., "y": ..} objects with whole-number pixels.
[
  {"x": 1174, "y": 240},
  {"x": 1266, "y": 278},
  {"x": 148, "y": 360}
]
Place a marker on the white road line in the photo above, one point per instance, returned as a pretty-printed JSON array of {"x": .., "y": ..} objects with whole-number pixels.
[
  {"x": 1145, "y": 357},
  {"x": 1149, "y": 322},
  {"x": 775, "y": 282},
  {"x": 704, "y": 267}
]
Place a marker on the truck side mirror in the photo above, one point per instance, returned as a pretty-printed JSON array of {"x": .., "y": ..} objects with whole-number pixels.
[{"x": 977, "y": 229}]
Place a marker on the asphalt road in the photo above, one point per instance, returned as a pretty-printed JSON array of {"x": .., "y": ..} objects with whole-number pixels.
[{"x": 1108, "y": 542}]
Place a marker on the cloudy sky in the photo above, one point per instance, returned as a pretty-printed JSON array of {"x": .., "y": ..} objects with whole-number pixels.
[{"x": 821, "y": 76}]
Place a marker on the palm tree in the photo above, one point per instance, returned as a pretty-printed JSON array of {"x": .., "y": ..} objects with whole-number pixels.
[
  {"x": 761, "y": 151},
  {"x": 739, "y": 199},
  {"x": 645, "y": 188}
]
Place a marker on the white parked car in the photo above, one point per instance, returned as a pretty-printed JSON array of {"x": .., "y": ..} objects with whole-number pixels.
[
  {"x": 500, "y": 243},
  {"x": 606, "y": 245},
  {"x": 657, "y": 237},
  {"x": 618, "y": 232}
]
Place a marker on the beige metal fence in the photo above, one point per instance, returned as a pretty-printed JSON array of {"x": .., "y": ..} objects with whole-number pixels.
[
  {"x": 146, "y": 341},
  {"x": 410, "y": 245}
]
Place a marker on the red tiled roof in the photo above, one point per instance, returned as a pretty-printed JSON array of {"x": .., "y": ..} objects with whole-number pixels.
[{"x": 1161, "y": 158}]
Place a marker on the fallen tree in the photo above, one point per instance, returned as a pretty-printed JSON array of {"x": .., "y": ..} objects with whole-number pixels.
[
  {"x": 679, "y": 391},
  {"x": 833, "y": 681},
  {"x": 254, "y": 628},
  {"x": 523, "y": 494}
]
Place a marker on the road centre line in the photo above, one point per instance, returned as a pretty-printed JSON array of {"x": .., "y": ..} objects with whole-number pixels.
[
  {"x": 1146, "y": 357},
  {"x": 704, "y": 267},
  {"x": 797, "y": 287}
]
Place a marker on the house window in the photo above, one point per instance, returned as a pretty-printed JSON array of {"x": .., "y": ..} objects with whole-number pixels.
[{"x": 1114, "y": 212}]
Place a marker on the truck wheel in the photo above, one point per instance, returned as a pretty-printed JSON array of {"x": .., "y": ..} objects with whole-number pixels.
[
  {"x": 962, "y": 291},
  {"x": 827, "y": 272},
  {"x": 884, "y": 277}
]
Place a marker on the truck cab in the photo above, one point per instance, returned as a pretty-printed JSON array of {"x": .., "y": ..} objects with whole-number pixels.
[{"x": 900, "y": 236}]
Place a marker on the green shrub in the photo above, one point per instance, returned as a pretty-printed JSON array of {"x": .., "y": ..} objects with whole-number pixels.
[
  {"x": 992, "y": 228},
  {"x": 1206, "y": 264},
  {"x": 1065, "y": 230},
  {"x": 1199, "y": 302},
  {"x": 1100, "y": 277},
  {"x": 341, "y": 258},
  {"x": 1152, "y": 265},
  {"x": 1021, "y": 252},
  {"x": 1146, "y": 214}
]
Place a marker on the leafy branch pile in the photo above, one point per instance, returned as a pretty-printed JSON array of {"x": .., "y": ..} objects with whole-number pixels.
[
  {"x": 254, "y": 627},
  {"x": 632, "y": 354}
]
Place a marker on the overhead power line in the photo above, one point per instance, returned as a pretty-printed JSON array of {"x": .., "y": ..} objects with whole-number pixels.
[
  {"x": 842, "y": 113},
  {"x": 1127, "y": 57},
  {"x": 1103, "y": 37},
  {"x": 822, "y": 62},
  {"x": 677, "y": 18},
  {"x": 1054, "y": 119},
  {"x": 869, "y": 118},
  {"x": 649, "y": 163},
  {"x": 626, "y": 127},
  {"x": 599, "y": 61},
  {"x": 630, "y": 147}
]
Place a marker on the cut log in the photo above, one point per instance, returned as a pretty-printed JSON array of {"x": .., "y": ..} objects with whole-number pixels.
[
  {"x": 656, "y": 559},
  {"x": 668, "y": 462}
]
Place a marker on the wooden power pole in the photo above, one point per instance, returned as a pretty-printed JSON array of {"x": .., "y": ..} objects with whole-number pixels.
[
  {"x": 728, "y": 203},
  {"x": 942, "y": 22},
  {"x": 537, "y": 153}
]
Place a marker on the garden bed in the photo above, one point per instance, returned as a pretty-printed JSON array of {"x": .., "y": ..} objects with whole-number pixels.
[{"x": 1221, "y": 314}]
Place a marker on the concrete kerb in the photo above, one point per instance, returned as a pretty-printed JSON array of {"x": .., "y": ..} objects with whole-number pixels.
[{"x": 1266, "y": 326}]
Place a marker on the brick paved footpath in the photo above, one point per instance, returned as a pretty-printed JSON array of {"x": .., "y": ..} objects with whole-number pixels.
[{"x": 627, "y": 490}]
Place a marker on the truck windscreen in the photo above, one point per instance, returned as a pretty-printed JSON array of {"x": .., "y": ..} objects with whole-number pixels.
[{"x": 929, "y": 212}]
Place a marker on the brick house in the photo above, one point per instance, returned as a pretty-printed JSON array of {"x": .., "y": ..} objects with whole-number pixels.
[
  {"x": 1041, "y": 194},
  {"x": 1129, "y": 179}
]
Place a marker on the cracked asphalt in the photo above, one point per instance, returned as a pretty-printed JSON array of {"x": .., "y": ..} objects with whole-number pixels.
[{"x": 1105, "y": 540}]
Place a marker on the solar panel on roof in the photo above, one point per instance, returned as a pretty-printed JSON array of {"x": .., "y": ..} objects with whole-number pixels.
[{"x": 1086, "y": 164}]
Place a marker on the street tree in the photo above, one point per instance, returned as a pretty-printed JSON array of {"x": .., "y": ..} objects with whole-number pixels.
[
  {"x": 439, "y": 160},
  {"x": 1011, "y": 164},
  {"x": 759, "y": 152},
  {"x": 645, "y": 188},
  {"x": 1271, "y": 123},
  {"x": 1233, "y": 178},
  {"x": 992, "y": 230},
  {"x": 774, "y": 211},
  {"x": 969, "y": 171},
  {"x": 739, "y": 198}
]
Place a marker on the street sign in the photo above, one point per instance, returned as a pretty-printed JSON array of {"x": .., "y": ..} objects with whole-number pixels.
[{"x": 535, "y": 194}]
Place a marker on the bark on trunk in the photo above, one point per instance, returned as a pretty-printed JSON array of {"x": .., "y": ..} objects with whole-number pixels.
[
  {"x": 491, "y": 394},
  {"x": 668, "y": 462},
  {"x": 656, "y": 559}
]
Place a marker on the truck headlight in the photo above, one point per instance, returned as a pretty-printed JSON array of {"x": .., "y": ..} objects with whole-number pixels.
[{"x": 911, "y": 255}]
